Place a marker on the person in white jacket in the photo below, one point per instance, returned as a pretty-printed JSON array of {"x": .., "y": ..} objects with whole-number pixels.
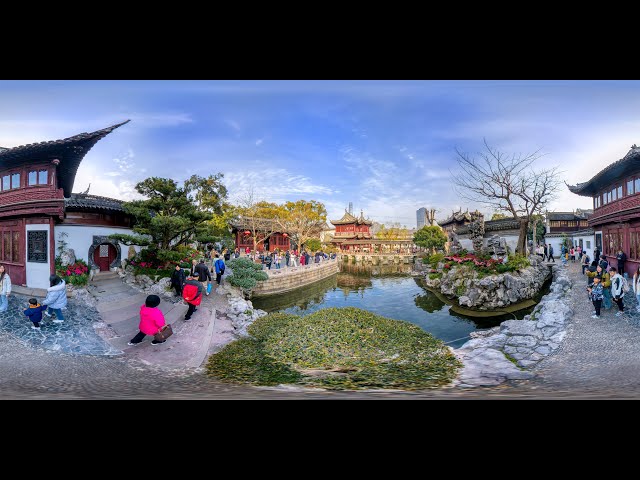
[
  {"x": 636, "y": 286},
  {"x": 56, "y": 298},
  {"x": 617, "y": 292},
  {"x": 5, "y": 289}
]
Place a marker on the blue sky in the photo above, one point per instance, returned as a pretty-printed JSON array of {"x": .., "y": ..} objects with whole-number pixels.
[{"x": 386, "y": 146}]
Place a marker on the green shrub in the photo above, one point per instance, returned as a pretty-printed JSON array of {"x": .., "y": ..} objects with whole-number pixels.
[
  {"x": 435, "y": 259},
  {"x": 357, "y": 349},
  {"x": 433, "y": 276},
  {"x": 246, "y": 274}
]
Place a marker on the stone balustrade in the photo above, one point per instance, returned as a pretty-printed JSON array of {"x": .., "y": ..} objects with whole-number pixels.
[{"x": 287, "y": 279}]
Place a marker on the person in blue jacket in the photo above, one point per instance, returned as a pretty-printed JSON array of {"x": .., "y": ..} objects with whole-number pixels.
[{"x": 34, "y": 313}]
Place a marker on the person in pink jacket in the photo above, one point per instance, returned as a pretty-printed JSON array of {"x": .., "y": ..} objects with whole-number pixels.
[{"x": 151, "y": 320}]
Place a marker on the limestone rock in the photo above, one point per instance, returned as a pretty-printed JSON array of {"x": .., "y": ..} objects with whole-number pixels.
[{"x": 68, "y": 257}]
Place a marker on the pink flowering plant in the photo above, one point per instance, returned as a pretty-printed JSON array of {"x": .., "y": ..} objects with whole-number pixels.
[{"x": 74, "y": 274}]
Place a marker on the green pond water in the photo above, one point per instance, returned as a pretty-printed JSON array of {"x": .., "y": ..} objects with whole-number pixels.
[{"x": 386, "y": 290}]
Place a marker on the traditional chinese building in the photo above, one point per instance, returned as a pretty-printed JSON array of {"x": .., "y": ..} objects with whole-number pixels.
[
  {"x": 354, "y": 235},
  {"x": 242, "y": 234},
  {"x": 572, "y": 225},
  {"x": 615, "y": 191},
  {"x": 458, "y": 219},
  {"x": 37, "y": 206}
]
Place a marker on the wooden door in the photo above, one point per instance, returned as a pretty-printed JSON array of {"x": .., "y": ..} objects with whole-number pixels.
[
  {"x": 12, "y": 250},
  {"x": 103, "y": 255}
]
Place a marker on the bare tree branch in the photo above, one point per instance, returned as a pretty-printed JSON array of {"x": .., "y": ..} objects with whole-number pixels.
[{"x": 506, "y": 183}]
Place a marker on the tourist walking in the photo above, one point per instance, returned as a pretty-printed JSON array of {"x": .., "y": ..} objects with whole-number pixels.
[
  {"x": 219, "y": 266},
  {"x": 617, "y": 290},
  {"x": 596, "y": 255},
  {"x": 622, "y": 258},
  {"x": 287, "y": 258},
  {"x": 177, "y": 279},
  {"x": 584, "y": 262},
  {"x": 544, "y": 252},
  {"x": 151, "y": 321},
  {"x": 636, "y": 286},
  {"x": 550, "y": 254},
  {"x": 5, "y": 289},
  {"x": 203, "y": 273},
  {"x": 595, "y": 291},
  {"x": 192, "y": 294},
  {"x": 56, "y": 298},
  {"x": 572, "y": 255},
  {"x": 34, "y": 313},
  {"x": 192, "y": 270}
]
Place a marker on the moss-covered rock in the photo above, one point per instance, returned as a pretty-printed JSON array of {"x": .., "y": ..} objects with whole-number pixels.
[{"x": 336, "y": 348}]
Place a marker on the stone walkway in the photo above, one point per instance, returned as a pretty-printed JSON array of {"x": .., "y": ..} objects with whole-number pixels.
[{"x": 598, "y": 355}]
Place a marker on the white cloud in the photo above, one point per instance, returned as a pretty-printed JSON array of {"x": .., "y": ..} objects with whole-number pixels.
[
  {"x": 234, "y": 125},
  {"x": 259, "y": 142},
  {"x": 273, "y": 184},
  {"x": 153, "y": 120}
]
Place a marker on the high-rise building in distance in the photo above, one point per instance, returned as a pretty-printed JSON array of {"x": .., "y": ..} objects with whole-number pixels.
[{"x": 421, "y": 216}]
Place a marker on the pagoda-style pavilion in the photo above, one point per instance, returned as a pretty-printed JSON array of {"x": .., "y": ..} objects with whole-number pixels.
[
  {"x": 36, "y": 206},
  {"x": 615, "y": 191},
  {"x": 353, "y": 235}
]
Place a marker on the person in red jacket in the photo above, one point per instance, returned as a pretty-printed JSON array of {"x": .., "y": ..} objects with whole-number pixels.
[
  {"x": 192, "y": 294},
  {"x": 151, "y": 320}
]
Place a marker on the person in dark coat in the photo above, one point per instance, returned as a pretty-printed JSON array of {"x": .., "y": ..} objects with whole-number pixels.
[
  {"x": 621, "y": 257},
  {"x": 177, "y": 279},
  {"x": 596, "y": 255},
  {"x": 203, "y": 273}
]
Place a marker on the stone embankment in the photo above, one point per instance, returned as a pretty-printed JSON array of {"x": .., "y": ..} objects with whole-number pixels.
[
  {"x": 508, "y": 351},
  {"x": 494, "y": 291},
  {"x": 286, "y": 279}
]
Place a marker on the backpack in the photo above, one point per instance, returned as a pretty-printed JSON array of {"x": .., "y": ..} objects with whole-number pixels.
[{"x": 625, "y": 285}]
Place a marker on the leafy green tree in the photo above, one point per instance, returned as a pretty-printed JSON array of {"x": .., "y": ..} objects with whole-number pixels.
[
  {"x": 169, "y": 215},
  {"x": 537, "y": 224},
  {"x": 431, "y": 237},
  {"x": 313, "y": 244},
  {"x": 303, "y": 220},
  {"x": 498, "y": 216}
]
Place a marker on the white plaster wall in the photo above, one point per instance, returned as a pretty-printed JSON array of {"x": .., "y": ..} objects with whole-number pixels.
[
  {"x": 586, "y": 238},
  {"x": 80, "y": 238},
  {"x": 38, "y": 273}
]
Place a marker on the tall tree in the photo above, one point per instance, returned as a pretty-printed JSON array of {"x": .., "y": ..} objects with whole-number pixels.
[
  {"x": 260, "y": 218},
  {"x": 169, "y": 216},
  {"x": 507, "y": 183},
  {"x": 431, "y": 237},
  {"x": 393, "y": 232},
  {"x": 303, "y": 220},
  {"x": 498, "y": 216}
]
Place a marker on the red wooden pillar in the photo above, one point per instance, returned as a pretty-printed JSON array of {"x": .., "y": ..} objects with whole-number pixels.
[{"x": 52, "y": 248}]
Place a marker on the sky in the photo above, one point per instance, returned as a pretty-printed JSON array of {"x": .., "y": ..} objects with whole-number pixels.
[{"x": 387, "y": 146}]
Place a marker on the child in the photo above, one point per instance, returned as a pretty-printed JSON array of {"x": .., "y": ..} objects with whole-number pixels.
[
  {"x": 151, "y": 320},
  {"x": 34, "y": 312},
  {"x": 596, "y": 295}
]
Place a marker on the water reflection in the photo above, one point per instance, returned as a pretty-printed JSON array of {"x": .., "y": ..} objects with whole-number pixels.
[{"x": 387, "y": 290}]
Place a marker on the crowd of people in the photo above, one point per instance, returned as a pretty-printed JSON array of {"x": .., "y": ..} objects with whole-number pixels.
[{"x": 277, "y": 259}]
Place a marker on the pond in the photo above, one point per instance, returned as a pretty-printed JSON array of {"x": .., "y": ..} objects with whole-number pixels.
[{"x": 387, "y": 290}]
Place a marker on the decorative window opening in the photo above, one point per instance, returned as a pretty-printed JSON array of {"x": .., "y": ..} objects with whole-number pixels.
[{"x": 37, "y": 246}]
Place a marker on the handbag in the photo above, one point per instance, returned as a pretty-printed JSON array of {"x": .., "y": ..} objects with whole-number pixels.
[{"x": 164, "y": 333}]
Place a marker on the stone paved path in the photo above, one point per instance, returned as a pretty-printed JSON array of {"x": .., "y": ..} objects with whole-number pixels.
[{"x": 600, "y": 356}]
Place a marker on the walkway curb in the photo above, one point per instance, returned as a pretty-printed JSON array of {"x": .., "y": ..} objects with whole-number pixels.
[{"x": 203, "y": 350}]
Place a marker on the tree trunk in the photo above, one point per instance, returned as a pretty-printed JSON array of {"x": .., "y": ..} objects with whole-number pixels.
[
  {"x": 522, "y": 238},
  {"x": 535, "y": 224}
]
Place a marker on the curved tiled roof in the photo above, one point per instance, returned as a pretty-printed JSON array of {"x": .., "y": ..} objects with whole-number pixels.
[
  {"x": 84, "y": 201},
  {"x": 629, "y": 164},
  {"x": 70, "y": 151},
  {"x": 348, "y": 218}
]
